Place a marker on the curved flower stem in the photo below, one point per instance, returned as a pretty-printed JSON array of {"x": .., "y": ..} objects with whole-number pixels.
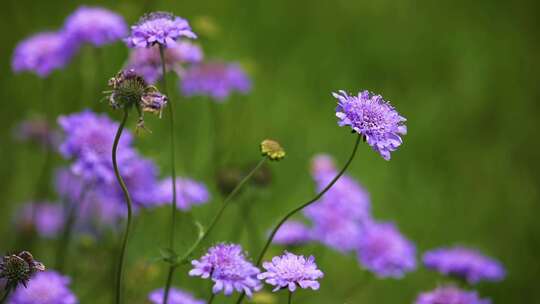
[
  {"x": 294, "y": 211},
  {"x": 290, "y": 297},
  {"x": 119, "y": 273},
  {"x": 170, "y": 106}
]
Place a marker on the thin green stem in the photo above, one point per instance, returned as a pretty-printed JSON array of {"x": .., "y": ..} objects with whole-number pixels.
[
  {"x": 289, "y": 297},
  {"x": 119, "y": 274},
  {"x": 170, "y": 107},
  {"x": 211, "y": 299},
  {"x": 297, "y": 209}
]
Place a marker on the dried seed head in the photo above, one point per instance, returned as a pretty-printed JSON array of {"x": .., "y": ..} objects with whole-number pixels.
[
  {"x": 272, "y": 149},
  {"x": 19, "y": 268}
]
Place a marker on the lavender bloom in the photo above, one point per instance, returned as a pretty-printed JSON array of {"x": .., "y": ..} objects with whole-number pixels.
[
  {"x": 188, "y": 193},
  {"x": 37, "y": 131},
  {"x": 292, "y": 233},
  {"x": 159, "y": 28},
  {"x": 227, "y": 266},
  {"x": 465, "y": 263},
  {"x": 47, "y": 287},
  {"x": 215, "y": 79},
  {"x": 450, "y": 295},
  {"x": 290, "y": 271},
  {"x": 46, "y": 219},
  {"x": 385, "y": 252},
  {"x": 176, "y": 296},
  {"x": 42, "y": 53},
  {"x": 372, "y": 117},
  {"x": 95, "y": 25}
]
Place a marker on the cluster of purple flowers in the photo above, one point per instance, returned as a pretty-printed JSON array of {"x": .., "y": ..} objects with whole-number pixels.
[
  {"x": 450, "y": 295},
  {"x": 45, "y": 288},
  {"x": 176, "y": 296},
  {"x": 47, "y": 219}
]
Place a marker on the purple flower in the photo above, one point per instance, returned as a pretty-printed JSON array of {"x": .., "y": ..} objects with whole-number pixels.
[
  {"x": 290, "y": 271},
  {"x": 450, "y": 295},
  {"x": 42, "y": 53},
  {"x": 385, "y": 252},
  {"x": 465, "y": 263},
  {"x": 47, "y": 287},
  {"x": 188, "y": 193},
  {"x": 176, "y": 296},
  {"x": 292, "y": 233},
  {"x": 215, "y": 79},
  {"x": 47, "y": 219},
  {"x": 159, "y": 28},
  {"x": 88, "y": 141},
  {"x": 95, "y": 25},
  {"x": 227, "y": 266},
  {"x": 322, "y": 165},
  {"x": 37, "y": 131},
  {"x": 372, "y": 117}
]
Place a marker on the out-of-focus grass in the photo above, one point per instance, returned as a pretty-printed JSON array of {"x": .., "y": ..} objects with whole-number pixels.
[{"x": 464, "y": 73}]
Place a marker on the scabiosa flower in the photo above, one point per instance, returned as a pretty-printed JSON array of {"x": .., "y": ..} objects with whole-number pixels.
[
  {"x": 450, "y": 295},
  {"x": 385, "y": 252},
  {"x": 465, "y": 263},
  {"x": 38, "y": 131},
  {"x": 292, "y": 233},
  {"x": 95, "y": 25},
  {"x": 290, "y": 271},
  {"x": 188, "y": 192},
  {"x": 159, "y": 28},
  {"x": 215, "y": 79},
  {"x": 47, "y": 219},
  {"x": 176, "y": 296},
  {"x": 373, "y": 118},
  {"x": 47, "y": 287},
  {"x": 227, "y": 266},
  {"x": 18, "y": 269},
  {"x": 42, "y": 53}
]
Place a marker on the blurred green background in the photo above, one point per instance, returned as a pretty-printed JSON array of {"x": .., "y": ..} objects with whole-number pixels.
[{"x": 464, "y": 74}]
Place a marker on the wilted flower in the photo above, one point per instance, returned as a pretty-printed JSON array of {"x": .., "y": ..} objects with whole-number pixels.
[
  {"x": 159, "y": 28},
  {"x": 226, "y": 265},
  {"x": 38, "y": 131},
  {"x": 373, "y": 118},
  {"x": 188, "y": 192},
  {"x": 47, "y": 219},
  {"x": 95, "y": 25},
  {"x": 272, "y": 149},
  {"x": 43, "y": 53},
  {"x": 215, "y": 79},
  {"x": 385, "y": 252},
  {"x": 450, "y": 295},
  {"x": 176, "y": 296},
  {"x": 292, "y": 233},
  {"x": 45, "y": 288},
  {"x": 19, "y": 269},
  {"x": 465, "y": 263},
  {"x": 290, "y": 271}
]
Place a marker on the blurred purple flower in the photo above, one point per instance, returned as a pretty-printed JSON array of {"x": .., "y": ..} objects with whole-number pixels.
[
  {"x": 292, "y": 233},
  {"x": 384, "y": 251},
  {"x": 372, "y": 117},
  {"x": 227, "y": 266},
  {"x": 290, "y": 271},
  {"x": 95, "y": 25},
  {"x": 159, "y": 28},
  {"x": 465, "y": 263},
  {"x": 215, "y": 79},
  {"x": 450, "y": 295},
  {"x": 38, "y": 131},
  {"x": 47, "y": 287},
  {"x": 188, "y": 193},
  {"x": 176, "y": 296},
  {"x": 47, "y": 219},
  {"x": 42, "y": 53}
]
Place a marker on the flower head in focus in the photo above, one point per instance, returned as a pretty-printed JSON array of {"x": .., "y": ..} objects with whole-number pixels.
[
  {"x": 47, "y": 287},
  {"x": 95, "y": 25},
  {"x": 189, "y": 192},
  {"x": 227, "y": 266},
  {"x": 450, "y": 295},
  {"x": 372, "y": 117},
  {"x": 159, "y": 28},
  {"x": 292, "y": 233},
  {"x": 272, "y": 149},
  {"x": 291, "y": 271},
  {"x": 19, "y": 269},
  {"x": 176, "y": 296},
  {"x": 47, "y": 219}
]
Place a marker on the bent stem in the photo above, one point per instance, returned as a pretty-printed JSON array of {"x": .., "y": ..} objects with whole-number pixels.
[
  {"x": 121, "y": 261},
  {"x": 294, "y": 211}
]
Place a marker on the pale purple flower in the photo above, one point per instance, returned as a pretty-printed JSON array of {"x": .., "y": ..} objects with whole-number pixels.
[
  {"x": 42, "y": 53},
  {"x": 290, "y": 271},
  {"x": 47, "y": 287},
  {"x": 95, "y": 25},
  {"x": 292, "y": 233},
  {"x": 465, "y": 263},
  {"x": 189, "y": 193},
  {"x": 176, "y": 296},
  {"x": 384, "y": 251},
  {"x": 47, "y": 219},
  {"x": 450, "y": 295},
  {"x": 322, "y": 165},
  {"x": 215, "y": 79},
  {"x": 38, "y": 131},
  {"x": 227, "y": 266},
  {"x": 373, "y": 118},
  {"x": 160, "y": 28}
]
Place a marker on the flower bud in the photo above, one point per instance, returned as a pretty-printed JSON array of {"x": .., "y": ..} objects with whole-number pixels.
[{"x": 272, "y": 149}]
